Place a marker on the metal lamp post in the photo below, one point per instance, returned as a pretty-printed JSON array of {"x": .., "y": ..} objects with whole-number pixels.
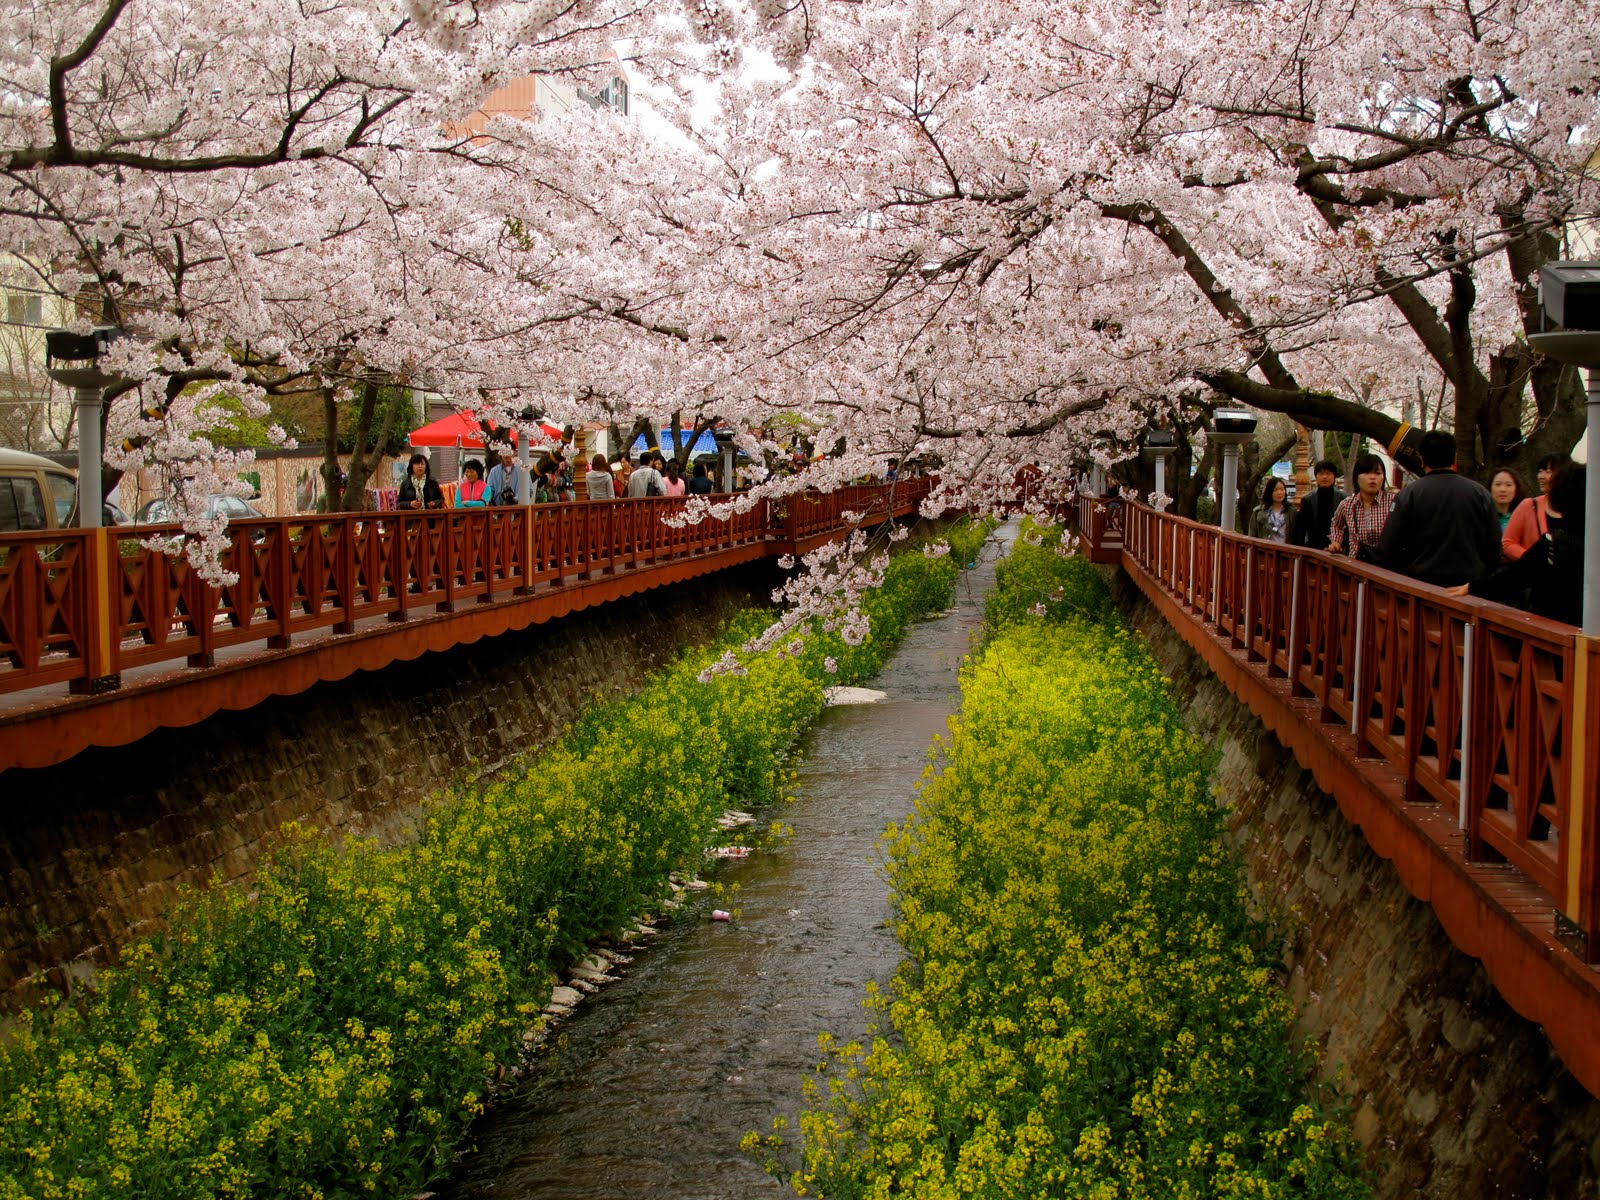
[
  {"x": 72, "y": 359},
  {"x": 1570, "y": 292},
  {"x": 726, "y": 452},
  {"x": 1161, "y": 443},
  {"x": 1570, "y": 296},
  {"x": 1233, "y": 427},
  {"x": 524, "y": 479}
]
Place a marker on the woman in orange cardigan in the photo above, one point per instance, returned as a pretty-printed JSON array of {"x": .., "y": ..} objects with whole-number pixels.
[{"x": 1529, "y": 522}]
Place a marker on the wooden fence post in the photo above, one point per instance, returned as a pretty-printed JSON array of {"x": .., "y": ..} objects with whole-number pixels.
[
  {"x": 102, "y": 617},
  {"x": 1578, "y": 922}
]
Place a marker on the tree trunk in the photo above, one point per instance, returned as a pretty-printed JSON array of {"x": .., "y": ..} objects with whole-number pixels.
[
  {"x": 332, "y": 477},
  {"x": 367, "y": 448},
  {"x": 685, "y": 448}
]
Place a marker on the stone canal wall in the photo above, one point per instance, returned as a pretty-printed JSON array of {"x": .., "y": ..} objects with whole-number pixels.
[
  {"x": 94, "y": 849},
  {"x": 1454, "y": 1094}
]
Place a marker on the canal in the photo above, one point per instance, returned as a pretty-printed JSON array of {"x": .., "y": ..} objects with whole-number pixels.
[{"x": 651, "y": 1084}]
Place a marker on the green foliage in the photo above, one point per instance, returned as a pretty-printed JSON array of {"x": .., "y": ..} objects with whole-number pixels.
[
  {"x": 966, "y": 538},
  {"x": 235, "y": 427},
  {"x": 397, "y": 406},
  {"x": 1088, "y": 1008},
  {"x": 331, "y": 1032},
  {"x": 1040, "y": 579}
]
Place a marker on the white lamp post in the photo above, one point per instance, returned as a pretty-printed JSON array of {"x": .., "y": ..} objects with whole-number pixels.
[
  {"x": 1570, "y": 292},
  {"x": 1570, "y": 295},
  {"x": 72, "y": 359},
  {"x": 1233, "y": 427},
  {"x": 1161, "y": 443}
]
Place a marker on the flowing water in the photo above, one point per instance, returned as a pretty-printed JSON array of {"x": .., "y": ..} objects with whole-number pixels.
[{"x": 713, "y": 1027}]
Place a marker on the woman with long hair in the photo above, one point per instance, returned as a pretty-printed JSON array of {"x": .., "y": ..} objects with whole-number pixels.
[
  {"x": 598, "y": 481},
  {"x": 1271, "y": 519},
  {"x": 419, "y": 489},
  {"x": 1530, "y": 520},
  {"x": 674, "y": 484}
]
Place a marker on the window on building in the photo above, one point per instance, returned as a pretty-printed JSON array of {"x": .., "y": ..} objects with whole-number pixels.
[{"x": 24, "y": 309}]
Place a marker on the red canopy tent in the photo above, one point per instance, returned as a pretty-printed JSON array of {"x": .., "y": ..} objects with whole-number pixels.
[{"x": 459, "y": 429}]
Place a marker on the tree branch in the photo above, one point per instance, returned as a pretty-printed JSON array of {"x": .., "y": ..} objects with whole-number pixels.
[{"x": 1318, "y": 410}]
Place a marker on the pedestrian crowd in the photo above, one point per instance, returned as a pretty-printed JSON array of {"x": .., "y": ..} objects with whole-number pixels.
[
  {"x": 1496, "y": 542},
  {"x": 552, "y": 479}
]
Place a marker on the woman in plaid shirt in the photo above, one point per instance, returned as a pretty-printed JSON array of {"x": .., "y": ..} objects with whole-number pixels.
[{"x": 1359, "y": 519}]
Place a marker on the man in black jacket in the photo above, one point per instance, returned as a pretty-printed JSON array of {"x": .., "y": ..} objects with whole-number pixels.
[
  {"x": 1315, "y": 518},
  {"x": 1443, "y": 529}
]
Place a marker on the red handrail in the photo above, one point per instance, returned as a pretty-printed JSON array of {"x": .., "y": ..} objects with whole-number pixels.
[
  {"x": 1470, "y": 702},
  {"x": 306, "y": 573}
]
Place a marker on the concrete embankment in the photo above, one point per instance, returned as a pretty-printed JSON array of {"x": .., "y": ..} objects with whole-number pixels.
[{"x": 93, "y": 850}]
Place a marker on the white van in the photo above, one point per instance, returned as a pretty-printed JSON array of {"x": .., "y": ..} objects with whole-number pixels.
[{"x": 35, "y": 493}]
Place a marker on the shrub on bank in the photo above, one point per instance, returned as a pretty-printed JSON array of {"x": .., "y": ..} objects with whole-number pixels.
[
  {"x": 330, "y": 1033},
  {"x": 1088, "y": 1008}
]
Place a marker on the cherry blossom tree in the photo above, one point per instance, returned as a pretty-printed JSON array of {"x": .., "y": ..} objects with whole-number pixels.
[
  {"x": 272, "y": 197},
  {"x": 1008, "y": 236},
  {"x": 1019, "y": 233}
]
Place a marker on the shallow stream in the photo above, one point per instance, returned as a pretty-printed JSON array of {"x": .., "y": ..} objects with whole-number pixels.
[{"x": 710, "y": 1031}]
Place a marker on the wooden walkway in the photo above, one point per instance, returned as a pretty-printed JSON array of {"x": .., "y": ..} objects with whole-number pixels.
[
  {"x": 103, "y": 641},
  {"x": 1463, "y": 738}
]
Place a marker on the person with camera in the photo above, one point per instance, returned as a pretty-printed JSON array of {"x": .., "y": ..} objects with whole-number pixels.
[
  {"x": 504, "y": 477},
  {"x": 1359, "y": 520}
]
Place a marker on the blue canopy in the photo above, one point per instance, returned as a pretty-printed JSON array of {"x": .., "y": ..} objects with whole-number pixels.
[{"x": 707, "y": 444}]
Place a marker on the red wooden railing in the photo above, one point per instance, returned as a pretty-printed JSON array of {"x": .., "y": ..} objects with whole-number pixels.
[
  {"x": 81, "y": 606},
  {"x": 1473, "y": 704},
  {"x": 811, "y": 514}
]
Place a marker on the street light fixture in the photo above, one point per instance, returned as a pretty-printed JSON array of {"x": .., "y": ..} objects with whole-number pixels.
[
  {"x": 524, "y": 477},
  {"x": 1570, "y": 293},
  {"x": 73, "y": 360},
  {"x": 1232, "y": 427},
  {"x": 1160, "y": 443}
]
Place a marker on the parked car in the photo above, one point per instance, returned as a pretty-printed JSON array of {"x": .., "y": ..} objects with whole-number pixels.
[
  {"x": 38, "y": 493},
  {"x": 159, "y": 511},
  {"x": 35, "y": 493}
]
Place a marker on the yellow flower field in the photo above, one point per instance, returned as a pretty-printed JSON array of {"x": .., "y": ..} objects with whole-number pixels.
[
  {"x": 1087, "y": 1008},
  {"x": 332, "y": 1031}
]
